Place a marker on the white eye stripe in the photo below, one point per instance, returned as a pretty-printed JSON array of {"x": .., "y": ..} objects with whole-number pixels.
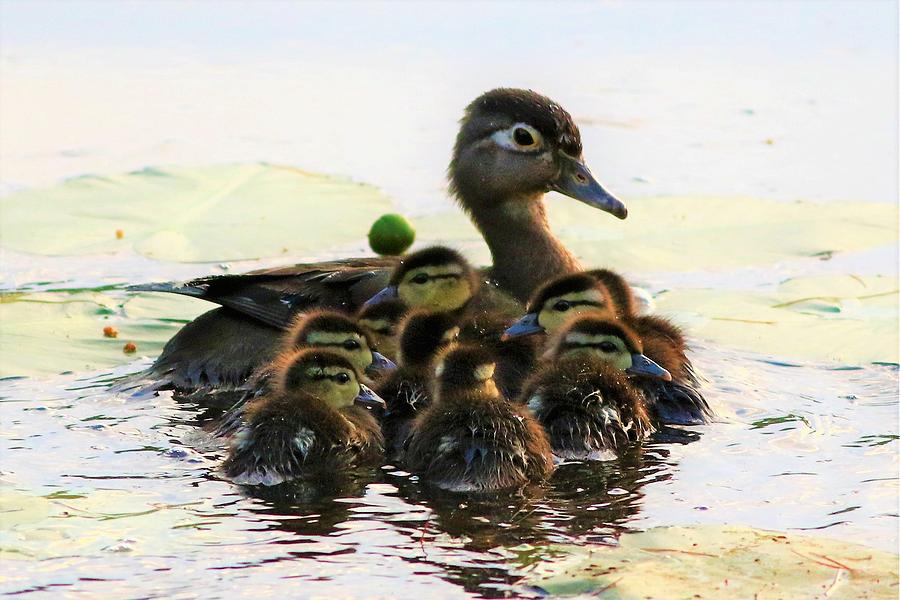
[{"x": 521, "y": 137}]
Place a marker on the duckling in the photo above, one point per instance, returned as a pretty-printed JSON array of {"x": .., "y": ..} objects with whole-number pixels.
[
  {"x": 471, "y": 439},
  {"x": 407, "y": 390},
  {"x": 557, "y": 300},
  {"x": 342, "y": 333},
  {"x": 381, "y": 322},
  {"x": 327, "y": 330},
  {"x": 675, "y": 402},
  {"x": 582, "y": 396},
  {"x": 435, "y": 278},
  {"x": 321, "y": 329},
  {"x": 441, "y": 279},
  {"x": 309, "y": 425},
  {"x": 513, "y": 146}
]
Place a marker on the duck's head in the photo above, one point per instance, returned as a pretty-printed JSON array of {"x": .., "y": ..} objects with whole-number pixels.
[
  {"x": 436, "y": 278},
  {"x": 326, "y": 375},
  {"x": 424, "y": 335},
  {"x": 466, "y": 371},
  {"x": 381, "y": 322},
  {"x": 513, "y": 146},
  {"x": 596, "y": 336},
  {"x": 558, "y": 300},
  {"x": 340, "y": 333}
]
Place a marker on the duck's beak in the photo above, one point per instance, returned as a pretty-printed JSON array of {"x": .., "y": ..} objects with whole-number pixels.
[
  {"x": 387, "y": 293},
  {"x": 641, "y": 365},
  {"x": 368, "y": 398},
  {"x": 575, "y": 180},
  {"x": 527, "y": 325},
  {"x": 380, "y": 364}
]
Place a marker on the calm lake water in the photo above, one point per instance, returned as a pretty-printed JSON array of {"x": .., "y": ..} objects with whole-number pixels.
[{"x": 118, "y": 496}]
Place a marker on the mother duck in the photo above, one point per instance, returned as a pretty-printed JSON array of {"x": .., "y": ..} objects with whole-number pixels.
[{"x": 513, "y": 146}]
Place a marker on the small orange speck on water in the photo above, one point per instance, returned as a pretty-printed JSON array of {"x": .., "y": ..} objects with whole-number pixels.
[
  {"x": 129, "y": 348},
  {"x": 119, "y": 234},
  {"x": 110, "y": 331}
]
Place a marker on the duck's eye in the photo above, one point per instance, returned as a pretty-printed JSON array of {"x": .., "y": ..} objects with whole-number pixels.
[
  {"x": 351, "y": 345},
  {"x": 420, "y": 278},
  {"x": 523, "y": 137},
  {"x": 562, "y": 306},
  {"x": 342, "y": 378},
  {"x": 608, "y": 347}
]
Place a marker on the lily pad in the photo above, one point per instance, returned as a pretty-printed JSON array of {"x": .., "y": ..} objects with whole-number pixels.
[
  {"x": 720, "y": 562},
  {"x": 217, "y": 213},
  {"x": 690, "y": 234},
  {"x": 842, "y": 319},
  {"x": 53, "y": 332}
]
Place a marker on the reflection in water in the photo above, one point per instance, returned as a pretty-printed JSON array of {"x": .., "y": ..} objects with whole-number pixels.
[{"x": 108, "y": 490}]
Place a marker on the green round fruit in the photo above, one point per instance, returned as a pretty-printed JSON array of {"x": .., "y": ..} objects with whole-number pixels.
[{"x": 391, "y": 234}]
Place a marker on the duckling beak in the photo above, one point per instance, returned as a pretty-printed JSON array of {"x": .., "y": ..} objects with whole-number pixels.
[
  {"x": 575, "y": 180},
  {"x": 641, "y": 365},
  {"x": 387, "y": 293},
  {"x": 527, "y": 325},
  {"x": 380, "y": 364},
  {"x": 368, "y": 398}
]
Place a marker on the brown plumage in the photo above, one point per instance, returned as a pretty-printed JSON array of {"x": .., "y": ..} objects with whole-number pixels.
[
  {"x": 513, "y": 146},
  {"x": 678, "y": 401},
  {"x": 471, "y": 439},
  {"x": 321, "y": 329},
  {"x": 382, "y": 322},
  {"x": 407, "y": 390},
  {"x": 306, "y": 426},
  {"x": 582, "y": 395},
  {"x": 441, "y": 279}
]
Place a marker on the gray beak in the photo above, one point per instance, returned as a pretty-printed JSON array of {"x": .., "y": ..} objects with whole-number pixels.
[
  {"x": 368, "y": 398},
  {"x": 575, "y": 180},
  {"x": 380, "y": 364},
  {"x": 527, "y": 325},
  {"x": 386, "y": 294},
  {"x": 641, "y": 365}
]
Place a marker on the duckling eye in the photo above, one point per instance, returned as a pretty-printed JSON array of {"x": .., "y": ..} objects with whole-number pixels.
[
  {"x": 562, "y": 306},
  {"x": 523, "y": 137},
  {"x": 350, "y": 345},
  {"x": 420, "y": 278},
  {"x": 608, "y": 347},
  {"x": 342, "y": 378}
]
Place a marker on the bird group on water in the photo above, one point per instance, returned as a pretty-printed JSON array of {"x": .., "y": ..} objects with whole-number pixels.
[{"x": 475, "y": 380}]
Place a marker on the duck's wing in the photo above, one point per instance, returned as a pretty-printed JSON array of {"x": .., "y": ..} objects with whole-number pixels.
[{"x": 274, "y": 296}]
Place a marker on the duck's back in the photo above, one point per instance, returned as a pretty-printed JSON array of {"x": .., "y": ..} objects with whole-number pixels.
[
  {"x": 586, "y": 407},
  {"x": 478, "y": 446},
  {"x": 279, "y": 442},
  {"x": 406, "y": 393}
]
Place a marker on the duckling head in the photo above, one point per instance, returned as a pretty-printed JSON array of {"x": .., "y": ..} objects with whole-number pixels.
[
  {"x": 515, "y": 145},
  {"x": 424, "y": 335},
  {"x": 595, "y": 336},
  {"x": 559, "y": 300},
  {"x": 436, "y": 278},
  {"x": 340, "y": 333},
  {"x": 323, "y": 374},
  {"x": 382, "y": 323},
  {"x": 466, "y": 371}
]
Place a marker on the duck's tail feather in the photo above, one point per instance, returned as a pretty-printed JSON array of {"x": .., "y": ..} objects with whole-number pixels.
[
  {"x": 172, "y": 287},
  {"x": 678, "y": 403}
]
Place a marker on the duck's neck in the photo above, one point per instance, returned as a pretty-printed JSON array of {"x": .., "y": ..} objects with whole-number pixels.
[{"x": 525, "y": 252}]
